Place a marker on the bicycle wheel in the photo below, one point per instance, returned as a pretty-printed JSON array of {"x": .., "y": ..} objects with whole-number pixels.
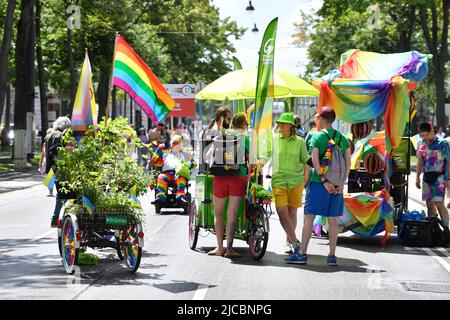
[
  {"x": 193, "y": 228},
  {"x": 69, "y": 251},
  {"x": 131, "y": 250},
  {"x": 258, "y": 233}
]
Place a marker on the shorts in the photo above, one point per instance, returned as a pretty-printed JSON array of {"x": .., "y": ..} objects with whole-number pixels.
[
  {"x": 320, "y": 202},
  {"x": 288, "y": 197},
  {"x": 434, "y": 191},
  {"x": 225, "y": 186}
]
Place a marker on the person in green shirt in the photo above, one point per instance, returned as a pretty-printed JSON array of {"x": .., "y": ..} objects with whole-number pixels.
[
  {"x": 322, "y": 197},
  {"x": 289, "y": 156}
]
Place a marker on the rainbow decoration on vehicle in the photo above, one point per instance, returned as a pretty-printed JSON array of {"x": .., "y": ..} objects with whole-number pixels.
[
  {"x": 369, "y": 84},
  {"x": 131, "y": 74}
]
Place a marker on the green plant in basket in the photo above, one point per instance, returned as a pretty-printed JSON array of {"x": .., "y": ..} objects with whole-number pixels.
[{"x": 99, "y": 167}]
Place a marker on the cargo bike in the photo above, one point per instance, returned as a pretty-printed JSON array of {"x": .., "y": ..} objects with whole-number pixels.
[
  {"x": 99, "y": 183},
  {"x": 252, "y": 224},
  {"x": 102, "y": 229}
]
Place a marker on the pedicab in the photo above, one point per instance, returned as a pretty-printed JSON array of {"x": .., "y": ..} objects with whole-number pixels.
[
  {"x": 252, "y": 224},
  {"x": 100, "y": 184}
]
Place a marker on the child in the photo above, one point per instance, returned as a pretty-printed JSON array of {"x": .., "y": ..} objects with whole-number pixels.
[{"x": 173, "y": 169}]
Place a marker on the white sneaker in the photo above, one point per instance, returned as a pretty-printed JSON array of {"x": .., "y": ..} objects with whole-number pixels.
[
  {"x": 288, "y": 248},
  {"x": 296, "y": 245}
]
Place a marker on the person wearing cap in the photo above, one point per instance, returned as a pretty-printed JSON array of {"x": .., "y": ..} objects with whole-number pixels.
[
  {"x": 142, "y": 152},
  {"x": 322, "y": 197},
  {"x": 433, "y": 159},
  {"x": 289, "y": 156},
  {"x": 169, "y": 164}
]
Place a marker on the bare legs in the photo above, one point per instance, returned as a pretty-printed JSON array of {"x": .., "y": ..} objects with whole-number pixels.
[
  {"x": 233, "y": 206},
  {"x": 288, "y": 220},
  {"x": 308, "y": 228}
]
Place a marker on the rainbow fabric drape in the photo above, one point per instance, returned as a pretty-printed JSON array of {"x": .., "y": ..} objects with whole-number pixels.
[
  {"x": 368, "y": 84},
  {"x": 365, "y": 215}
]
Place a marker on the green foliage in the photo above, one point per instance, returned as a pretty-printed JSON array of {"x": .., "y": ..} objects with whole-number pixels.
[
  {"x": 384, "y": 26},
  {"x": 99, "y": 166},
  {"x": 181, "y": 42}
]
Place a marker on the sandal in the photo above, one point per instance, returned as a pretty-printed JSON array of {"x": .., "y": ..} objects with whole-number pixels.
[
  {"x": 232, "y": 254},
  {"x": 215, "y": 252}
]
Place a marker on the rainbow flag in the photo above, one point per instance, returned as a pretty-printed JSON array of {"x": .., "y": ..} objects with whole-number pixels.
[
  {"x": 84, "y": 108},
  {"x": 50, "y": 179},
  {"x": 132, "y": 75}
]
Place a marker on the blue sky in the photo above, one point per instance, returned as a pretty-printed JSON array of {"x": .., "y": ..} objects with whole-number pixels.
[{"x": 287, "y": 56}]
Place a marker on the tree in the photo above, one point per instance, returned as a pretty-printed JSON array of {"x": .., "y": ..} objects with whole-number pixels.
[
  {"x": 24, "y": 98},
  {"x": 388, "y": 26},
  {"x": 181, "y": 41},
  {"x": 438, "y": 48},
  {"x": 4, "y": 52}
]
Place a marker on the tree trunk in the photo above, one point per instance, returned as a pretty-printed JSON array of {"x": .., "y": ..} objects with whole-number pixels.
[
  {"x": 24, "y": 95},
  {"x": 5, "y": 133},
  {"x": 4, "y": 52},
  {"x": 439, "y": 49},
  {"x": 102, "y": 93},
  {"x": 41, "y": 73},
  {"x": 440, "y": 98}
]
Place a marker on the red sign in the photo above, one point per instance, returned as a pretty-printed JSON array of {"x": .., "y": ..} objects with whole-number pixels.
[{"x": 183, "y": 108}]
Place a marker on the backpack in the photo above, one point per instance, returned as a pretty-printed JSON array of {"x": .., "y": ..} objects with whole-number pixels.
[
  {"x": 52, "y": 143},
  {"x": 336, "y": 168},
  {"x": 228, "y": 155}
]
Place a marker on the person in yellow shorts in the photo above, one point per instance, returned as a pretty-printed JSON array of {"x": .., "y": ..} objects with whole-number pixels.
[{"x": 289, "y": 173}]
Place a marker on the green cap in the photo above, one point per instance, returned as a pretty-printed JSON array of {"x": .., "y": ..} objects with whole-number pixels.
[{"x": 287, "y": 117}]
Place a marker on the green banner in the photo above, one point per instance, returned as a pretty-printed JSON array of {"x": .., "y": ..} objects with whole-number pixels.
[
  {"x": 240, "y": 107},
  {"x": 262, "y": 115}
]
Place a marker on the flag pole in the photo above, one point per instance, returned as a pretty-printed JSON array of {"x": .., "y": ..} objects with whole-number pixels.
[{"x": 111, "y": 80}]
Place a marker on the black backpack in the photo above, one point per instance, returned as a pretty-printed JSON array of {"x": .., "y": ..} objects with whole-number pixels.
[
  {"x": 52, "y": 143},
  {"x": 228, "y": 155}
]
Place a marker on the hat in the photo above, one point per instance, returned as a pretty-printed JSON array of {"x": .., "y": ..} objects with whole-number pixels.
[
  {"x": 326, "y": 111},
  {"x": 287, "y": 117},
  {"x": 141, "y": 128}
]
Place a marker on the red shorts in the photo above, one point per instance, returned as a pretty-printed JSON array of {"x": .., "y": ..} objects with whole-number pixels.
[{"x": 225, "y": 186}]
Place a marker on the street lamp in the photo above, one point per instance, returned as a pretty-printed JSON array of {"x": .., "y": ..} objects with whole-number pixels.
[{"x": 250, "y": 7}]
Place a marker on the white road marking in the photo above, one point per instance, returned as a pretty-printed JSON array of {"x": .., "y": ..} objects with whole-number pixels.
[
  {"x": 447, "y": 253},
  {"x": 43, "y": 235},
  {"x": 437, "y": 258},
  {"x": 201, "y": 292}
]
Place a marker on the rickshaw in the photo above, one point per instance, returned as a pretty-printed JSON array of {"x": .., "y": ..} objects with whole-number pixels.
[
  {"x": 252, "y": 224},
  {"x": 117, "y": 230}
]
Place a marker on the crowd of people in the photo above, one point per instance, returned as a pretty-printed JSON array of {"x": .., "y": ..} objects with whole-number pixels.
[{"x": 318, "y": 162}]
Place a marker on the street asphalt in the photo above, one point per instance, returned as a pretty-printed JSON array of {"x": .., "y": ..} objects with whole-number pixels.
[{"x": 30, "y": 266}]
